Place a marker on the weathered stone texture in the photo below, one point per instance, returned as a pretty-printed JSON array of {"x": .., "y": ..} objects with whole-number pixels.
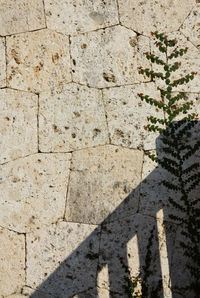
[
  {"x": 18, "y": 124},
  {"x": 38, "y": 60},
  {"x": 71, "y": 117},
  {"x": 28, "y": 291},
  {"x": 33, "y": 191},
  {"x": 21, "y": 16},
  {"x": 71, "y": 17},
  {"x": 191, "y": 26},
  {"x": 67, "y": 244},
  {"x": 12, "y": 259},
  {"x": 147, "y": 16},
  {"x": 2, "y": 63},
  {"x": 108, "y": 57},
  {"x": 70, "y": 92},
  {"x": 124, "y": 246},
  {"x": 153, "y": 194},
  {"x": 180, "y": 264},
  {"x": 127, "y": 115},
  {"x": 100, "y": 180}
]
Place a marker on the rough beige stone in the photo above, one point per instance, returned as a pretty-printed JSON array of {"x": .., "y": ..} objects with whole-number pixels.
[
  {"x": 28, "y": 291},
  {"x": 191, "y": 26},
  {"x": 21, "y": 16},
  {"x": 71, "y": 117},
  {"x": 123, "y": 250},
  {"x": 17, "y": 295},
  {"x": 18, "y": 124},
  {"x": 147, "y": 16},
  {"x": 180, "y": 270},
  {"x": 96, "y": 292},
  {"x": 71, "y": 17},
  {"x": 108, "y": 57},
  {"x": 100, "y": 180},
  {"x": 153, "y": 194},
  {"x": 12, "y": 259},
  {"x": 127, "y": 115},
  {"x": 190, "y": 62},
  {"x": 2, "y": 63},
  {"x": 103, "y": 293},
  {"x": 33, "y": 191},
  {"x": 63, "y": 257},
  {"x": 38, "y": 60}
]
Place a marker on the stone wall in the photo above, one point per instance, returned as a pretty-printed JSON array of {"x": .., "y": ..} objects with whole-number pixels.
[{"x": 73, "y": 144}]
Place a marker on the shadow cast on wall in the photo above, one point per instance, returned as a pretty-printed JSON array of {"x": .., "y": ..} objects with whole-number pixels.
[{"x": 124, "y": 234}]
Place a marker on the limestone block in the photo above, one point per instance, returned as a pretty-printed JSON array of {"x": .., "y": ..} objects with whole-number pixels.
[
  {"x": 71, "y": 117},
  {"x": 153, "y": 194},
  {"x": 24, "y": 15},
  {"x": 18, "y": 124},
  {"x": 96, "y": 292},
  {"x": 190, "y": 62},
  {"x": 71, "y": 17},
  {"x": 38, "y": 60},
  {"x": 15, "y": 296},
  {"x": 108, "y": 57},
  {"x": 33, "y": 191},
  {"x": 180, "y": 263},
  {"x": 2, "y": 63},
  {"x": 28, "y": 291},
  {"x": 101, "y": 178},
  {"x": 191, "y": 26},
  {"x": 123, "y": 250},
  {"x": 127, "y": 115},
  {"x": 147, "y": 16},
  {"x": 64, "y": 257},
  {"x": 12, "y": 259}
]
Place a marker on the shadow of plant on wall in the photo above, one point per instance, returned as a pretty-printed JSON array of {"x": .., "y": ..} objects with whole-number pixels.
[
  {"x": 172, "y": 187},
  {"x": 78, "y": 274}
]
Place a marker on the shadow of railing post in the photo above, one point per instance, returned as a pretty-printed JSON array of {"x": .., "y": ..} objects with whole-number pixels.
[{"x": 75, "y": 275}]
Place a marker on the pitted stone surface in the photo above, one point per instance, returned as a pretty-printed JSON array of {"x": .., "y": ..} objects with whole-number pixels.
[
  {"x": 75, "y": 247},
  {"x": 31, "y": 193},
  {"x": 12, "y": 258},
  {"x": 96, "y": 292},
  {"x": 2, "y": 63},
  {"x": 123, "y": 249},
  {"x": 191, "y": 26},
  {"x": 28, "y": 291},
  {"x": 100, "y": 180},
  {"x": 86, "y": 44},
  {"x": 21, "y": 16},
  {"x": 18, "y": 124},
  {"x": 147, "y": 16},
  {"x": 71, "y": 117},
  {"x": 72, "y": 17},
  {"x": 180, "y": 263},
  {"x": 108, "y": 57},
  {"x": 151, "y": 200},
  {"x": 38, "y": 60},
  {"x": 127, "y": 115},
  {"x": 190, "y": 62}
]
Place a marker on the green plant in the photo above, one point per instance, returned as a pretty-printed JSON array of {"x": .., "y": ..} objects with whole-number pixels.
[
  {"x": 177, "y": 157},
  {"x": 141, "y": 285},
  {"x": 134, "y": 287}
]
